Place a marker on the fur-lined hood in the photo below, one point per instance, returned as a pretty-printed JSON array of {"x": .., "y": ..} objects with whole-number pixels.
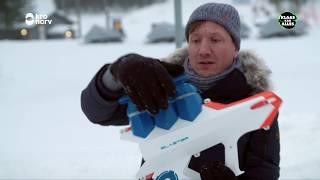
[{"x": 254, "y": 68}]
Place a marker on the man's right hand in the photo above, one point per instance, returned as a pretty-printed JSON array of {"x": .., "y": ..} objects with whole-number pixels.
[{"x": 147, "y": 81}]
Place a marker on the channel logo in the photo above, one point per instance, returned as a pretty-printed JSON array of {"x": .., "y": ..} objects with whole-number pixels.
[{"x": 37, "y": 19}]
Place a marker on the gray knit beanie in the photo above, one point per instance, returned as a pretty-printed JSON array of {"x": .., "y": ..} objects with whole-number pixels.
[{"x": 223, "y": 14}]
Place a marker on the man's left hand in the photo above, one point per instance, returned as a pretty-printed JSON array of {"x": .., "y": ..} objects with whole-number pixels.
[{"x": 216, "y": 171}]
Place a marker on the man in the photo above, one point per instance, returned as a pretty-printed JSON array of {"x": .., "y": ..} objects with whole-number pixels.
[{"x": 216, "y": 67}]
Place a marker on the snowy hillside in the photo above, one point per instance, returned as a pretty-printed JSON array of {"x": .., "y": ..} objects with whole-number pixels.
[{"x": 44, "y": 134}]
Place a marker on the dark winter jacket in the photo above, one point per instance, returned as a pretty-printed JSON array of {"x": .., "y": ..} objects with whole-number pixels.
[{"x": 259, "y": 151}]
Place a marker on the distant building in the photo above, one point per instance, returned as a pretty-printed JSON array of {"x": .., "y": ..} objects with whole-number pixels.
[
  {"x": 60, "y": 28},
  {"x": 18, "y": 31}
]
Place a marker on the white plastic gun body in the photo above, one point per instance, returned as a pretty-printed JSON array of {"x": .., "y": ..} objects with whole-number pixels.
[{"x": 165, "y": 150}]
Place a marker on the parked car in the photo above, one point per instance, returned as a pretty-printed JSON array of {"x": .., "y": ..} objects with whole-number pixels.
[
  {"x": 99, "y": 34},
  {"x": 161, "y": 32},
  {"x": 273, "y": 29}
]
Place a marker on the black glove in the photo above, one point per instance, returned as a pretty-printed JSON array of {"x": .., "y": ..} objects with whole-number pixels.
[
  {"x": 146, "y": 81},
  {"x": 216, "y": 171}
]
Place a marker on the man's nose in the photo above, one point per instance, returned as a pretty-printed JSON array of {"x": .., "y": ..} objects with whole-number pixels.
[{"x": 204, "y": 49}]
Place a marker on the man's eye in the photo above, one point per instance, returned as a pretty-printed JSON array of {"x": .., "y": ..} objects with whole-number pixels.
[
  {"x": 215, "y": 40},
  {"x": 195, "y": 40}
]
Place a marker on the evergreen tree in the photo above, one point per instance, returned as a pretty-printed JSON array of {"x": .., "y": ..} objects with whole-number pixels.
[
  {"x": 97, "y": 6},
  {"x": 295, "y": 4},
  {"x": 12, "y": 11}
]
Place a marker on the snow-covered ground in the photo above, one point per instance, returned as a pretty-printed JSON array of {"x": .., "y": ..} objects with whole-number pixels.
[{"x": 44, "y": 134}]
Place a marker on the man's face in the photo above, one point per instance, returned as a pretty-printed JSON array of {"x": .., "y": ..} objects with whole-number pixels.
[{"x": 211, "y": 49}]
